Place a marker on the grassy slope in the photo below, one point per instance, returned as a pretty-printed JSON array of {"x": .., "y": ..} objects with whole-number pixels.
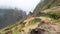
[
  {"x": 46, "y": 4},
  {"x": 29, "y": 23}
]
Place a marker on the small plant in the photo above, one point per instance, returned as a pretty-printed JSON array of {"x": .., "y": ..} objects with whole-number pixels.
[
  {"x": 0, "y": 33},
  {"x": 21, "y": 22},
  {"x": 34, "y": 21},
  {"x": 23, "y": 30},
  {"x": 54, "y": 16},
  {"x": 20, "y": 30},
  {"x": 38, "y": 13}
]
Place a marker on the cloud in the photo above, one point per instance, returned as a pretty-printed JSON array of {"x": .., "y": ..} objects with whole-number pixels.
[{"x": 27, "y": 5}]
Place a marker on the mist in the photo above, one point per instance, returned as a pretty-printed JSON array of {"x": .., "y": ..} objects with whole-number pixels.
[{"x": 26, "y": 5}]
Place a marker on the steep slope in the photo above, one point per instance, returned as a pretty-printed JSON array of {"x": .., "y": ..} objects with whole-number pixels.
[
  {"x": 46, "y": 4},
  {"x": 47, "y": 21},
  {"x": 45, "y": 24},
  {"x": 10, "y": 16}
]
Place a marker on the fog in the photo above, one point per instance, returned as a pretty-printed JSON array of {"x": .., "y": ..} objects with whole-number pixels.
[{"x": 26, "y": 5}]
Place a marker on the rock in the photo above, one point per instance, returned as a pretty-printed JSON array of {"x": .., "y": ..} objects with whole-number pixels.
[{"x": 37, "y": 31}]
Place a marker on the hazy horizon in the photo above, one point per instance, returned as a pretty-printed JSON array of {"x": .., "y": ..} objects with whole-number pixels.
[{"x": 26, "y": 5}]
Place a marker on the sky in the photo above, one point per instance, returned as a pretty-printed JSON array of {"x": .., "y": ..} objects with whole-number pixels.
[{"x": 26, "y": 5}]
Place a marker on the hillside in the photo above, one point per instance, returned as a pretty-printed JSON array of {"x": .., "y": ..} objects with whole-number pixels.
[
  {"x": 46, "y": 4},
  {"x": 10, "y": 16},
  {"x": 44, "y": 20}
]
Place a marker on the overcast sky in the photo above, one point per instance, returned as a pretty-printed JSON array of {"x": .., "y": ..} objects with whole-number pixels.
[{"x": 26, "y": 5}]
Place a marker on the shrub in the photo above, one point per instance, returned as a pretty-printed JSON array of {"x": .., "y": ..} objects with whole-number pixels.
[
  {"x": 54, "y": 16},
  {"x": 20, "y": 30},
  {"x": 21, "y": 22},
  {"x": 34, "y": 20}
]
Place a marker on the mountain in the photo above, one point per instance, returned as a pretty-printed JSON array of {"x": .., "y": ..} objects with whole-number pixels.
[
  {"x": 46, "y": 4},
  {"x": 44, "y": 20},
  {"x": 10, "y": 16}
]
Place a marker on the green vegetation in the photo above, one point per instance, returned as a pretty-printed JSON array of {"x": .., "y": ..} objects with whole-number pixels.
[
  {"x": 54, "y": 16},
  {"x": 43, "y": 5},
  {"x": 22, "y": 23},
  {"x": 34, "y": 21},
  {"x": 21, "y": 30},
  {"x": 46, "y": 4},
  {"x": 38, "y": 13}
]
